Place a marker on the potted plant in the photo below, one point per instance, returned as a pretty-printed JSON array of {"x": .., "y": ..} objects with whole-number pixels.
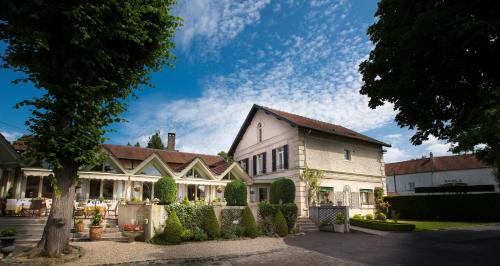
[
  {"x": 132, "y": 231},
  {"x": 339, "y": 225},
  {"x": 134, "y": 201},
  {"x": 79, "y": 226},
  {"x": 8, "y": 236},
  {"x": 326, "y": 225},
  {"x": 95, "y": 232}
]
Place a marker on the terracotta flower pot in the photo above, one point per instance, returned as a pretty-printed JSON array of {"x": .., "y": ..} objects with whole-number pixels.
[
  {"x": 80, "y": 227},
  {"x": 95, "y": 233}
]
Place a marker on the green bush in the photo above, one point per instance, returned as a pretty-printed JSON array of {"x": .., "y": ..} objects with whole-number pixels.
[
  {"x": 282, "y": 191},
  {"x": 187, "y": 235},
  {"x": 369, "y": 217},
  {"x": 199, "y": 235},
  {"x": 166, "y": 190},
  {"x": 185, "y": 201},
  {"x": 280, "y": 224},
  {"x": 173, "y": 229},
  {"x": 339, "y": 218},
  {"x": 229, "y": 233},
  {"x": 381, "y": 217},
  {"x": 248, "y": 222},
  {"x": 383, "y": 226},
  {"x": 189, "y": 215},
  {"x": 289, "y": 210},
  {"x": 357, "y": 216},
  {"x": 9, "y": 231},
  {"x": 456, "y": 207},
  {"x": 267, "y": 226},
  {"x": 236, "y": 193},
  {"x": 210, "y": 224}
]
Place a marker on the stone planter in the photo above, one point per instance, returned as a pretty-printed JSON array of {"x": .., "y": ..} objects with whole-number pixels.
[
  {"x": 339, "y": 228},
  {"x": 132, "y": 235},
  {"x": 7, "y": 245},
  {"x": 79, "y": 227},
  {"x": 95, "y": 233}
]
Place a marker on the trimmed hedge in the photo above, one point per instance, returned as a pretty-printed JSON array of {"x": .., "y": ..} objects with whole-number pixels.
[
  {"x": 236, "y": 193},
  {"x": 173, "y": 229},
  {"x": 282, "y": 190},
  {"x": 462, "y": 207},
  {"x": 383, "y": 226},
  {"x": 280, "y": 224},
  {"x": 249, "y": 224},
  {"x": 166, "y": 190},
  {"x": 210, "y": 223},
  {"x": 289, "y": 210}
]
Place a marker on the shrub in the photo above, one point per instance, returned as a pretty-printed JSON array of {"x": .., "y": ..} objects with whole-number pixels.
[
  {"x": 187, "y": 235},
  {"x": 339, "y": 218},
  {"x": 267, "y": 226},
  {"x": 289, "y": 210},
  {"x": 199, "y": 235},
  {"x": 384, "y": 226},
  {"x": 249, "y": 224},
  {"x": 9, "y": 231},
  {"x": 369, "y": 216},
  {"x": 280, "y": 224},
  {"x": 282, "y": 191},
  {"x": 166, "y": 190},
  {"x": 229, "y": 233},
  {"x": 236, "y": 193},
  {"x": 173, "y": 229},
  {"x": 395, "y": 216},
  {"x": 185, "y": 201},
  {"x": 210, "y": 224},
  {"x": 187, "y": 214},
  {"x": 357, "y": 216},
  {"x": 479, "y": 207},
  {"x": 381, "y": 217}
]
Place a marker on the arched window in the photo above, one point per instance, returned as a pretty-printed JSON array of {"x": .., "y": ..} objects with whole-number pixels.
[{"x": 259, "y": 132}]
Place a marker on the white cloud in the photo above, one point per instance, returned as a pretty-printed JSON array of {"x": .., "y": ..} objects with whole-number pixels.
[
  {"x": 437, "y": 147},
  {"x": 394, "y": 154},
  {"x": 11, "y": 135},
  {"x": 316, "y": 75},
  {"x": 215, "y": 22}
]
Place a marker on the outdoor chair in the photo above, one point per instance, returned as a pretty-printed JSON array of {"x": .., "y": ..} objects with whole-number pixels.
[
  {"x": 113, "y": 210},
  {"x": 37, "y": 206}
]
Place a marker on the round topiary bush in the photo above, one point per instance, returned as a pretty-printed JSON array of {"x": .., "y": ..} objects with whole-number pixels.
[
  {"x": 249, "y": 224},
  {"x": 381, "y": 217},
  {"x": 210, "y": 224},
  {"x": 280, "y": 225},
  {"x": 173, "y": 229},
  {"x": 357, "y": 216},
  {"x": 282, "y": 191},
  {"x": 369, "y": 216},
  {"x": 236, "y": 193},
  {"x": 166, "y": 190}
]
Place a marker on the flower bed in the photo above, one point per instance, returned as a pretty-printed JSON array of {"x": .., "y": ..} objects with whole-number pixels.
[{"x": 383, "y": 226}]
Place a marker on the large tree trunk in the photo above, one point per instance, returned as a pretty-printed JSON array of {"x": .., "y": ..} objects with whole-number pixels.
[{"x": 56, "y": 234}]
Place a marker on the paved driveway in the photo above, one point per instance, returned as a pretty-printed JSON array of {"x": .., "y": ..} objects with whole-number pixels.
[{"x": 472, "y": 246}]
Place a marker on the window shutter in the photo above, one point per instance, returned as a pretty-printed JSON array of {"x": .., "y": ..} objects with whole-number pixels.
[
  {"x": 264, "y": 162},
  {"x": 254, "y": 165},
  {"x": 274, "y": 159},
  {"x": 285, "y": 148}
]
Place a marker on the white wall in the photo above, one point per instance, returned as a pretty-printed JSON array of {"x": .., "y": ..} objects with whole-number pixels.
[{"x": 483, "y": 176}]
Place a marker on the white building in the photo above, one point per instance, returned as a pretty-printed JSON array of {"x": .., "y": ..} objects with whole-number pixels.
[
  {"x": 273, "y": 144},
  {"x": 438, "y": 175}
]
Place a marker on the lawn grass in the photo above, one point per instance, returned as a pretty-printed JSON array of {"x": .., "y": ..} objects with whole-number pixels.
[{"x": 423, "y": 225}]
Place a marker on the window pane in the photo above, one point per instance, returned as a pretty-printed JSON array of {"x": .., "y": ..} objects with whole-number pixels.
[
  {"x": 107, "y": 190},
  {"x": 262, "y": 194},
  {"x": 347, "y": 154},
  {"x": 146, "y": 190},
  {"x": 95, "y": 187},
  {"x": 191, "y": 192},
  {"x": 200, "y": 192},
  {"x": 47, "y": 188},
  {"x": 150, "y": 170},
  {"x": 32, "y": 186}
]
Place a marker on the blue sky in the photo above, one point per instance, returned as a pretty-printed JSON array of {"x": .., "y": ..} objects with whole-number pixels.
[{"x": 297, "y": 56}]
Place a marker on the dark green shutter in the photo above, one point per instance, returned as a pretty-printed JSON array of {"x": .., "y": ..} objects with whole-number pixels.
[
  {"x": 274, "y": 159},
  {"x": 254, "y": 165},
  {"x": 264, "y": 162},
  {"x": 247, "y": 166},
  {"x": 286, "y": 156}
]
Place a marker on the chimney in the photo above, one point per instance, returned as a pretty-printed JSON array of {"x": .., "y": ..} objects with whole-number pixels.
[{"x": 171, "y": 142}]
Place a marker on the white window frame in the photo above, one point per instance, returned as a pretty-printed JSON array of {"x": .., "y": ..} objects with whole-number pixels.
[
  {"x": 348, "y": 154},
  {"x": 260, "y": 164},
  {"x": 363, "y": 197},
  {"x": 280, "y": 158},
  {"x": 243, "y": 165}
]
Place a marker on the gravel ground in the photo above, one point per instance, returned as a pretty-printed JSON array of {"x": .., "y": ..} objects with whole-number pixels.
[{"x": 108, "y": 252}]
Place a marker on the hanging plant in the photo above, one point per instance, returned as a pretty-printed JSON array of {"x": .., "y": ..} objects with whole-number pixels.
[{"x": 137, "y": 188}]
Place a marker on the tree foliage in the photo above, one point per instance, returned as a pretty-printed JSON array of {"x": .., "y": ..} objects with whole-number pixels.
[
  {"x": 282, "y": 191},
  {"x": 166, "y": 190},
  {"x": 86, "y": 58},
  {"x": 154, "y": 142},
  {"x": 437, "y": 63},
  {"x": 249, "y": 224},
  {"x": 235, "y": 193},
  {"x": 173, "y": 229},
  {"x": 210, "y": 223},
  {"x": 312, "y": 179},
  {"x": 226, "y": 156}
]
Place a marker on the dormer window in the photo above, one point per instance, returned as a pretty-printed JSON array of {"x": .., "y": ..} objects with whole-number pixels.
[{"x": 259, "y": 132}]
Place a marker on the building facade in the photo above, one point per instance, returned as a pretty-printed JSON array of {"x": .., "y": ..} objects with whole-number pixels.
[
  {"x": 273, "y": 144},
  {"x": 440, "y": 175},
  {"x": 128, "y": 172}
]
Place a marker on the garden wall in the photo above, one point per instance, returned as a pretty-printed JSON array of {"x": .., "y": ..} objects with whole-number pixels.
[
  {"x": 151, "y": 217},
  {"x": 471, "y": 207}
]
